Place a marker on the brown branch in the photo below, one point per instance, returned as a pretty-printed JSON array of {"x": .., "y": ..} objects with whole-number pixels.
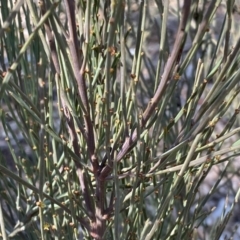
[
  {"x": 71, "y": 127},
  {"x": 171, "y": 63},
  {"x": 79, "y": 65}
]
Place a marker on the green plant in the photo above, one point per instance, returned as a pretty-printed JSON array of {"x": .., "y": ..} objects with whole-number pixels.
[{"x": 113, "y": 150}]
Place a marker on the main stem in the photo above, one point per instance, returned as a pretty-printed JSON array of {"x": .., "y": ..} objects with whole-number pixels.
[{"x": 98, "y": 226}]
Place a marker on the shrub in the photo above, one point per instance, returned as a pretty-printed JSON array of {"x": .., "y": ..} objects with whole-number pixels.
[{"x": 114, "y": 113}]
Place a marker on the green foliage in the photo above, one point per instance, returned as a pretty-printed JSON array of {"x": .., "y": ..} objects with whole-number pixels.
[{"x": 111, "y": 121}]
